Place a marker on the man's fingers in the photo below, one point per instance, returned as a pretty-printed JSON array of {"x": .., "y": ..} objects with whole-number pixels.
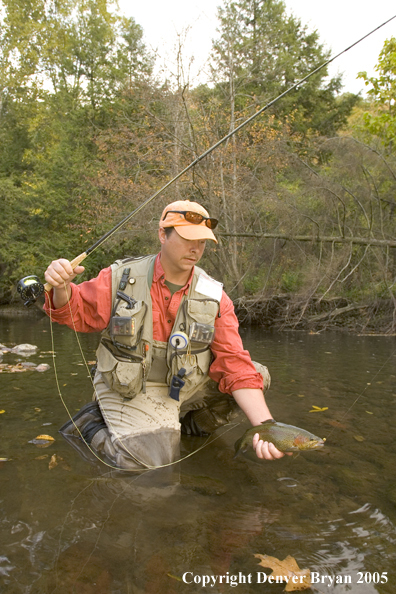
[
  {"x": 60, "y": 272},
  {"x": 265, "y": 450}
]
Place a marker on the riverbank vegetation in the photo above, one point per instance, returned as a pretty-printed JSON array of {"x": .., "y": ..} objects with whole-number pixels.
[{"x": 305, "y": 194}]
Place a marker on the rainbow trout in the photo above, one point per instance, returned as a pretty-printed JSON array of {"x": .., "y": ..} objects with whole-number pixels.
[{"x": 284, "y": 437}]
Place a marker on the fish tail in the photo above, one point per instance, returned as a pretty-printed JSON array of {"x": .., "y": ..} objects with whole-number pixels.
[{"x": 238, "y": 447}]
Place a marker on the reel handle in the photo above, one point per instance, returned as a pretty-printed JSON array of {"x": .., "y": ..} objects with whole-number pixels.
[{"x": 74, "y": 263}]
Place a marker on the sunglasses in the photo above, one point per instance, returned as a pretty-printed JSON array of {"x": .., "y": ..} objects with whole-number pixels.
[{"x": 195, "y": 218}]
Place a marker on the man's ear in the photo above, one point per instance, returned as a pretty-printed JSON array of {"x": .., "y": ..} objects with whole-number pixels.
[{"x": 162, "y": 235}]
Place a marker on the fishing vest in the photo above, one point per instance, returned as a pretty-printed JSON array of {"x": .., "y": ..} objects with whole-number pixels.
[{"x": 128, "y": 356}]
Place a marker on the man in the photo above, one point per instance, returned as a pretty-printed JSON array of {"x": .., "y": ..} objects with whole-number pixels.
[{"x": 166, "y": 327}]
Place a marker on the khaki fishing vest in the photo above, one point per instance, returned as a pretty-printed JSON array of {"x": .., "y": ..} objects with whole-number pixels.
[{"x": 127, "y": 361}]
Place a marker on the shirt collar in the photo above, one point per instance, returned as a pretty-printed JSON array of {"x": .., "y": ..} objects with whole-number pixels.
[{"x": 159, "y": 273}]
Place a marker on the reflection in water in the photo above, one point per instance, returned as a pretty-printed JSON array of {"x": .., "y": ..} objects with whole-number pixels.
[{"x": 79, "y": 528}]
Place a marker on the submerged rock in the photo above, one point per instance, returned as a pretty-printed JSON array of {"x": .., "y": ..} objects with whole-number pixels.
[
  {"x": 24, "y": 349},
  {"x": 42, "y": 367}
]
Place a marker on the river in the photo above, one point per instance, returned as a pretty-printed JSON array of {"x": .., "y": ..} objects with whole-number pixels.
[{"x": 69, "y": 526}]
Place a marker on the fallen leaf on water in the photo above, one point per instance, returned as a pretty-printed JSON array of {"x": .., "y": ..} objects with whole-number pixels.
[
  {"x": 369, "y": 413},
  {"x": 53, "y": 462},
  {"x": 338, "y": 424},
  {"x": 358, "y": 438},
  {"x": 43, "y": 441},
  {"x": 2, "y": 411},
  {"x": 175, "y": 577},
  {"x": 301, "y": 395},
  {"x": 42, "y": 457},
  {"x": 318, "y": 409},
  {"x": 287, "y": 571}
]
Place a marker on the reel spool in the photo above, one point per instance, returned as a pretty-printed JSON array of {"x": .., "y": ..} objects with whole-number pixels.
[
  {"x": 30, "y": 288},
  {"x": 179, "y": 340}
]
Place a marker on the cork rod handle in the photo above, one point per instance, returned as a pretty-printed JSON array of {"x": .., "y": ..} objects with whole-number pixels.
[{"x": 74, "y": 263}]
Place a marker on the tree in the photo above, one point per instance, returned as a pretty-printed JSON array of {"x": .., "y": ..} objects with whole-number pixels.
[
  {"x": 265, "y": 51},
  {"x": 383, "y": 93}
]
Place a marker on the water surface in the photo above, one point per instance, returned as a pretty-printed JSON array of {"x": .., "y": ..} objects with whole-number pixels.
[{"x": 81, "y": 528}]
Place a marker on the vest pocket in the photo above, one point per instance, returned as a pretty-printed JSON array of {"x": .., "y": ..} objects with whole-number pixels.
[
  {"x": 121, "y": 376},
  {"x": 203, "y": 311}
]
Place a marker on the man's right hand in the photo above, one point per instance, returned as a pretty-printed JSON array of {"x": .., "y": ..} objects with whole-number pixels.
[{"x": 59, "y": 275}]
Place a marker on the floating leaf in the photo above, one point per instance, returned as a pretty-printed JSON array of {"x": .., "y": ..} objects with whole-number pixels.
[
  {"x": 358, "y": 437},
  {"x": 369, "y": 413},
  {"x": 338, "y": 424},
  {"x": 318, "y": 409},
  {"x": 43, "y": 441},
  {"x": 301, "y": 395},
  {"x": 174, "y": 577},
  {"x": 53, "y": 462},
  {"x": 287, "y": 571},
  {"x": 2, "y": 411}
]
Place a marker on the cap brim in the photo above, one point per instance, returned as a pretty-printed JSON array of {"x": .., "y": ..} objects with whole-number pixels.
[{"x": 193, "y": 232}]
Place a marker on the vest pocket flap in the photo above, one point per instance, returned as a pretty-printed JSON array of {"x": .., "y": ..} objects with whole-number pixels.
[{"x": 203, "y": 311}]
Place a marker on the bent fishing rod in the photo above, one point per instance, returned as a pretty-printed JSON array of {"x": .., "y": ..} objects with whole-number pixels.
[{"x": 30, "y": 287}]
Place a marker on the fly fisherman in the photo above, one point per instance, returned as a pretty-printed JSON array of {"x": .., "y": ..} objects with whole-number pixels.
[{"x": 167, "y": 327}]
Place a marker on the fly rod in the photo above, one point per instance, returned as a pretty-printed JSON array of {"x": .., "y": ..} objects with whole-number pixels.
[{"x": 30, "y": 287}]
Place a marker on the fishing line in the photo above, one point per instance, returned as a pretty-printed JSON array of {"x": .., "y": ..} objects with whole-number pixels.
[
  {"x": 207, "y": 442},
  {"x": 32, "y": 293}
]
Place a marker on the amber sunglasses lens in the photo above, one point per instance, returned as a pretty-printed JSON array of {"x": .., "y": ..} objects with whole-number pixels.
[{"x": 196, "y": 219}]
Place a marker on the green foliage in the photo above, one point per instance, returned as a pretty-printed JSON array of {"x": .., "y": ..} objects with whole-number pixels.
[
  {"x": 383, "y": 93},
  {"x": 87, "y": 135},
  {"x": 262, "y": 51}
]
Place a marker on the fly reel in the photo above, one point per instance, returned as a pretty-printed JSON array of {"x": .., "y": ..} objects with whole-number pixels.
[{"x": 30, "y": 288}]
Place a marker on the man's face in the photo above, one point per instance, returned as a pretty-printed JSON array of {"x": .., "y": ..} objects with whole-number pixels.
[{"x": 181, "y": 254}]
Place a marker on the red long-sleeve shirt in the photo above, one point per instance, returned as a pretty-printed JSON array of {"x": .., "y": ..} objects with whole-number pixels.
[{"x": 89, "y": 310}]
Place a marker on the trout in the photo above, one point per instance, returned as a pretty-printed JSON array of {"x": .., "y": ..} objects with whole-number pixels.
[{"x": 284, "y": 437}]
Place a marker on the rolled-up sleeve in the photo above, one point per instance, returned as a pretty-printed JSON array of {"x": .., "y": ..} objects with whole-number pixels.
[
  {"x": 89, "y": 307},
  {"x": 232, "y": 367}
]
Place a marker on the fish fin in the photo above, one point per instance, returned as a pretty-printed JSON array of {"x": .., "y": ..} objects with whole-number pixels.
[
  {"x": 238, "y": 447},
  {"x": 268, "y": 421}
]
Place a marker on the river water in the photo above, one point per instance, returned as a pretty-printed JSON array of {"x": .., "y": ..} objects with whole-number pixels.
[{"x": 69, "y": 526}]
